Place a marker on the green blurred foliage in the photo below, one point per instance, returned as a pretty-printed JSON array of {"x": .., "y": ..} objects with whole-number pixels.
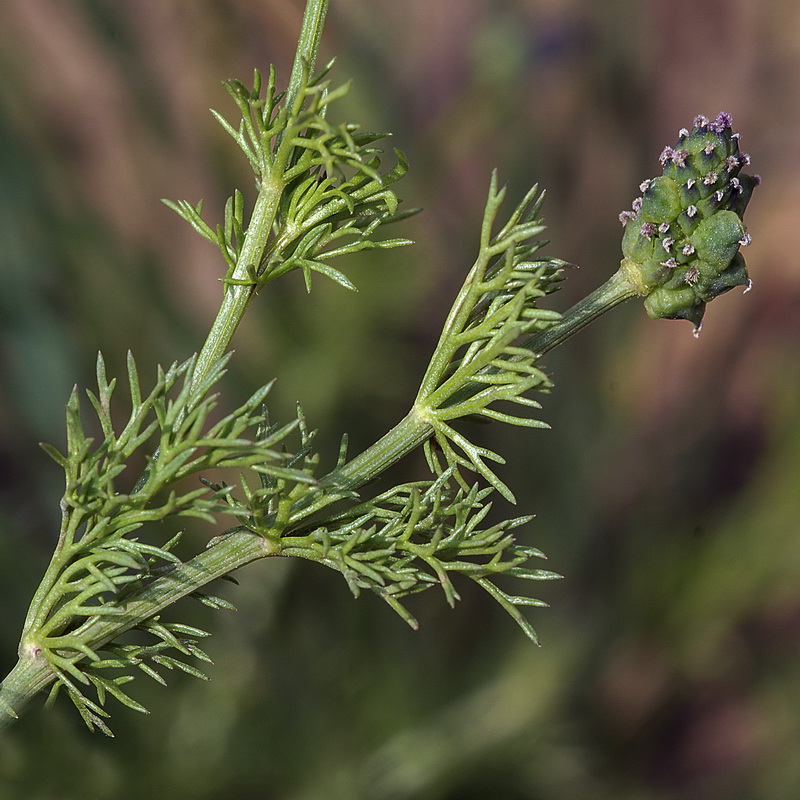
[{"x": 666, "y": 492}]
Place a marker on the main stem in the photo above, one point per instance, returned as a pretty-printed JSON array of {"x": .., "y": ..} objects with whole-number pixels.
[{"x": 32, "y": 673}]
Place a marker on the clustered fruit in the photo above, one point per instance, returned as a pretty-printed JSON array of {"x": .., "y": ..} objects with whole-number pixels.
[{"x": 682, "y": 238}]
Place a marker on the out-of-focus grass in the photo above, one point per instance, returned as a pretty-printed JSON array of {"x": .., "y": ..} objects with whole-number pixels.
[{"x": 666, "y": 491}]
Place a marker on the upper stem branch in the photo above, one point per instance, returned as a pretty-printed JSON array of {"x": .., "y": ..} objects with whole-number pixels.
[{"x": 237, "y": 296}]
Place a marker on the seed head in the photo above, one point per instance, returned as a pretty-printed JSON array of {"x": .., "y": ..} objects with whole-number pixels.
[{"x": 683, "y": 234}]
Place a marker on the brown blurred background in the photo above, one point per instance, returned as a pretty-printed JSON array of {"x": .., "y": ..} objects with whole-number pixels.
[{"x": 666, "y": 492}]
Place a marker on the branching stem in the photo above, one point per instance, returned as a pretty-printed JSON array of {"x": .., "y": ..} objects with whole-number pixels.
[
  {"x": 33, "y": 673},
  {"x": 413, "y": 430}
]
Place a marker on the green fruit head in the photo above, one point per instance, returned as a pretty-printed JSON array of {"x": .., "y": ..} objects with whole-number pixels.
[{"x": 682, "y": 237}]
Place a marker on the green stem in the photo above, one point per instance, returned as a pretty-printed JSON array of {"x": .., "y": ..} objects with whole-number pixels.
[
  {"x": 21, "y": 685},
  {"x": 617, "y": 289},
  {"x": 307, "y": 47},
  {"x": 237, "y": 296},
  {"x": 228, "y": 554},
  {"x": 413, "y": 430},
  {"x": 402, "y": 439},
  {"x": 32, "y": 672}
]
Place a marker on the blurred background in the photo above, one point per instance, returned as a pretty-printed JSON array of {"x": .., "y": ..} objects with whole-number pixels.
[{"x": 665, "y": 493}]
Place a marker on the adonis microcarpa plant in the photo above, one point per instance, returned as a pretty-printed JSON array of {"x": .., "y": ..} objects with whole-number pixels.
[{"x": 324, "y": 191}]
